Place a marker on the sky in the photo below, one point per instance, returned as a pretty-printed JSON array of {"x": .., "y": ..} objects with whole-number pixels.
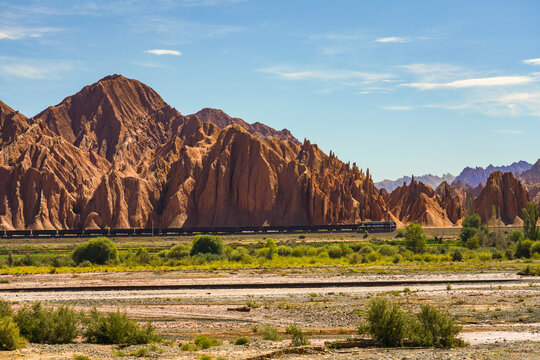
[{"x": 399, "y": 87}]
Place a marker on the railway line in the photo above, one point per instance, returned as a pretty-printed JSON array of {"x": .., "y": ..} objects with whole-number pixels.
[
  {"x": 370, "y": 226},
  {"x": 257, "y": 285}
]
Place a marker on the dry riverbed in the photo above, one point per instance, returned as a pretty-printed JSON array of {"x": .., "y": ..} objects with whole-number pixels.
[{"x": 500, "y": 318}]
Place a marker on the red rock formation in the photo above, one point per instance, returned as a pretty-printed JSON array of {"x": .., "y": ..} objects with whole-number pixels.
[
  {"x": 454, "y": 200},
  {"x": 118, "y": 118},
  {"x": 12, "y": 124},
  {"x": 116, "y": 155},
  {"x": 222, "y": 120},
  {"x": 503, "y": 196},
  {"x": 419, "y": 203}
]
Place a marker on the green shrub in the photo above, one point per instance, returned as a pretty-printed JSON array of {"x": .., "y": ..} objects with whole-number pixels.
[
  {"x": 484, "y": 256},
  {"x": 435, "y": 328},
  {"x": 97, "y": 251},
  {"x": 139, "y": 352},
  {"x": 188, "y": 347},
  {"x": 334, "y": 251},
  {"x": 472, "y": 243},
  {"x": 302, "y": 236},
  {"x": 297, "y": 336},
  {"x": 204, "y": 342},
  {"x": 415, "y": 238},
  {"x": 81, "y": 357},
  {"x": 284, "y": 250},
  {"x": 387, "y": 323},
  {"x": 207, "y": 244},
  {"x": 242, "y": 340},
  {"x": 269, "y": 332},
  {"x": 46, "y": 325},
  {"x": 535, "y": 248},
  {"x": 205, "y": 357},
  {"x": 515, "y": 236},
  {"x": 178, "y": 252},
  {"x": 239, "y": 254},
  {"x": 457, "y": 256},
  {"x": 117, "y": 328},
  {"x": 10, "y": 338},
  {"x": 142, "y": 256},
  {"x": 387, "y": 250},
  {"x": 5, "y": 309},
  {"x": 299, "y": 251},
  {"x": 523, "y": 249}
]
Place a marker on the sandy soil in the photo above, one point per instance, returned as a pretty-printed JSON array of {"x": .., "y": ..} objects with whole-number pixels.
[{"x": 499, "y": 319}]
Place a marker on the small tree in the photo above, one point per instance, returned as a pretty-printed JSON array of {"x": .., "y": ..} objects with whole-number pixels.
[
  {"x": 435, "y": 328},
  {"x": 10, "y": 338},
  {"x": 530, "y": 217},
  {"x": 100, "y": 250},
  {"x": 415, "y": 238},
  {"x": 207, "y": 244},
  {"x": 386, "y": 322}
]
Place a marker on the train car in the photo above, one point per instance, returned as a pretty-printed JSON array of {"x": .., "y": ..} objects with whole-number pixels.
[{"x": 370, "y": 226}]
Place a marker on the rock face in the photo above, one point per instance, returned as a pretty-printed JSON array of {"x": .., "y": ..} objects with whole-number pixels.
[
  {"x": 432, "y": 180},
  {"x": 531, "y": 176},
  {"x": 116, "y": 155},
  {"x": 479, "y": 175},
  {"x": 12, "y": 124},
  {"x": 502, "y": 199},
  {"x": 117, "y": 118},
  {"x": 222, "y": 120},
  {"x": 419, "y": 203}
]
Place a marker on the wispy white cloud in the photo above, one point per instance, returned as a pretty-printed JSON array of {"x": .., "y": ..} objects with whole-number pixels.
[
  {"x": 309, "y": 74},
  {"x": 532, "y": 61},
  {"x": 392, "y": 39},
  {"x": 163, "y": 52},
  {"x": 174, "y": 31},
  {"x": 398, "y": 108},
  {"x": 32, "y": 69},
  {"x": 16, "y": 33},
  {"x": 474, "y": 82},
  {"x": 509, "y": 132},
  {"x": 210, "y": 2}
]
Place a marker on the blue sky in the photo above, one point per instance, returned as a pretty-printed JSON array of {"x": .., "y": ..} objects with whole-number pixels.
[{"x": 401, "y": 87}]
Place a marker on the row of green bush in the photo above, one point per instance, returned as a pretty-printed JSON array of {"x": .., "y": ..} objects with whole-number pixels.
[{"x": 61, "y": 325}]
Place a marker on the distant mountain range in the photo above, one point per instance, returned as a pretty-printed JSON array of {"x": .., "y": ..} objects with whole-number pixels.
[
  {"x": 432, "y": 180},
  {"x": 468, "y": 176},
  {"x": 479, "y": 175}
]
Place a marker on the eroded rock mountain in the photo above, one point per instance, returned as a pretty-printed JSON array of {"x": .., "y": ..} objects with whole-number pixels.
[
  {"x": 502, "y": 199},
  {"x": 115, "y": 155}
]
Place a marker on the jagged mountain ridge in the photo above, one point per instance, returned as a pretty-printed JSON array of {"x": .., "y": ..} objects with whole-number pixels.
[
  {"x": 479, "y": 175},
  {"x": 432, "y": 180},
  {"x": 222, "y": 120},
  {"x": 116, "y": 155}
]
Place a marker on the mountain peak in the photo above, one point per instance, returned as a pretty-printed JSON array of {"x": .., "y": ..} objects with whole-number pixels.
[
  {"x": 112, "y": 116},
  {"x": 222, "y": 120}
]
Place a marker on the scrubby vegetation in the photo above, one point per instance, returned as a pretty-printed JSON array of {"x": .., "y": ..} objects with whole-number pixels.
[
  {"x": 61, "y": 325},
  {"x": 100, "y": 250},
  {"x": 269, "y": 332},
  {"x": 298, "y": 338},
  {"x": 475, "y": 246},
  {"x": 392, "y": 326},
  {"x": 47, "y": 325},
  {"x": 117, "y": 328}
]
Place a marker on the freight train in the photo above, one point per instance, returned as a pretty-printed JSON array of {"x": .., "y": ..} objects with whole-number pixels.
[{"x": 369, "y": 226}]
